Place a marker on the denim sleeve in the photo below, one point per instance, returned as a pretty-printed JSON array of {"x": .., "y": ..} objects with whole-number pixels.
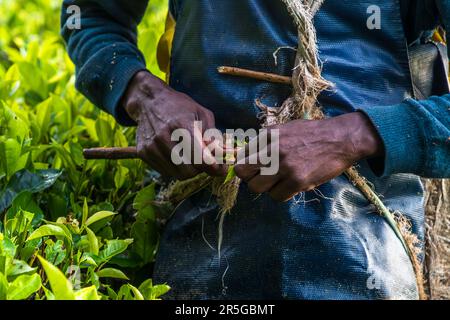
[
  {"x": 104, "y": 49},
  {"x": 416, "y": 137}
]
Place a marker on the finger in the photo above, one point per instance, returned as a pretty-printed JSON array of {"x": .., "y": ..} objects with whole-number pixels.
[
  {"x": 247, "y": 171},
  {"x": 207, "y": 118},
  {"x": 155, "y": 159},
  {"x": 185, "y": 172},
  {"x": 248, "y": 150},
  {"x": 284, "y": 191},
  {"x": 260, "y": 184},
  {"x": 215, "y": 147},
  {"x": 154, "y": 152},
  {"x": 203, "y": 159},
  {"x": 216, "y": 170}
]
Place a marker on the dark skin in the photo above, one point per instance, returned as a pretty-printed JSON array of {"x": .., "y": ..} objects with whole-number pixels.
[
  {"x": 311, "y": 152},
  {"x": 158, "y": 110},
  {"x": 314, "y": 152}
]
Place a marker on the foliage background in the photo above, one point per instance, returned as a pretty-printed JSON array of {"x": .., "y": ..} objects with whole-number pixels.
[{"x": 69, "y": 229}]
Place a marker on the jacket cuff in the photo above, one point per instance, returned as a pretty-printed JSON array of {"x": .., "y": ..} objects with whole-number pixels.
[
  {"x": 120, "y": 78},
  {"x": 106, "y": 82},
  {"x": 403, "y": 144}
]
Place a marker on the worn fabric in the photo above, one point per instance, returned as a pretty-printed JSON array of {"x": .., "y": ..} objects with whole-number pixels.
[{"x": 326, "y": 244}]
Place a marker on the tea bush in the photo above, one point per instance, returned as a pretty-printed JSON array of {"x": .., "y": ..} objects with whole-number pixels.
[{"x": 70, "y": 228}]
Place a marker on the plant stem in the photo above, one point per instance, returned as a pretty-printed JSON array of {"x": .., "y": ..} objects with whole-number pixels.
[
  {"x": 111, "y": 153},
  {"x": 264, "y": 76}
]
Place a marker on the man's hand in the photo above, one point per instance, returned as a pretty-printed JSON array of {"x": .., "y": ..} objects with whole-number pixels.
[
  {"x": 158, "y": 110},
  {"x": 314, "y": 152}
]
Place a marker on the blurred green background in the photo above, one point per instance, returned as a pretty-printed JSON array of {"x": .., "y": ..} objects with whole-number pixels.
[{"x": 57, "y": 211}]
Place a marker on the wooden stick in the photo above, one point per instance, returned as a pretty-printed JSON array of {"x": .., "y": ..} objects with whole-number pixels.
[
  {"x": 111, "y": 153},
  {"x": 264, "y": 76}
]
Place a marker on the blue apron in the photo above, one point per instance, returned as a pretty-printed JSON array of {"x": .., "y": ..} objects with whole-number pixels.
[{"x": 325, "y": 244}]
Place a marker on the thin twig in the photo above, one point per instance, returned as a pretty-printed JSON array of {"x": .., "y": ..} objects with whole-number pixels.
[
  {"x": 111, "y": 153},
  {"x": 263, "y": 76}
]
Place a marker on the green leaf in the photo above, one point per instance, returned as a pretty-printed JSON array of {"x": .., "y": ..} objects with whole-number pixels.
[
  {"x": 47, "y": 230},
  {"x": 111, "y": 293},
  {"x": 90, "y": 128},
  {"x": 99, "y": 216},
  {"x": 10, "y": 227},
  {"x": 19, "y": 267},
  {"x": 32, "y": 76},
  {"x": 65, "y": 229},
  {"x": 48, "y": 294},
  {"x": 112, "y": 273},
  {"x": 120, "y": 176},
  {"x": 28, "y": 249},
  {"x": 17, "y": 228},
  {"x": 145, "y": 238},
  {"x": 152, "y": 292},
  {"x": 230, "y": 175},
  {"x": 129, "y": 292},
  {"x": 127, "y": 259},
  {"x": 85, "y": 213},
  {"x": 13, "y": 126},
  {"x": 89, "y": 293},
  {"x": 24, "y": 286},
  {"x": 88, "y": 260},
  {"x": 3, "y": 287},
  {"x": 43, "y": 115},
  {"x": 61, "y": 286},
  {"x": 24, "y": 201},
  {"x": 104, "y": 132},
  {"x": 124, "y": 293},
  {"x": 137, "y": 294},
  {"x": 113, "y": 248},
  {"x": 159, "y": 290},
  {"x": 55, "y": 252},
  {"x": 93, "y": 241},
  {"x": 10, "y": 152},
  {"x": 7, "y": 247},
  {"x": 57, "y": 206},
  {"x": 26, "y": 181},
  {"x": 146, "y": 288},
  {"x": 106, "y": 233},
  {"x": 143, "y": 203},
  {"x": 76, "y": 151}
]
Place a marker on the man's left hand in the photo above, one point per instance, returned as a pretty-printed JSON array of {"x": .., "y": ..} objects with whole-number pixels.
[{"x": 312, "y": 153}]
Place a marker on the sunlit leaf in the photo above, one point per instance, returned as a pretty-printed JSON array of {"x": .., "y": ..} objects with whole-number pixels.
[
  {"x": 151, "y": 292},
  {"x": 19, "y": 267},
  {"x": 112, "y": 273},
  {"x": 89, "y": 293},
  {"x": 93, "y": 242},
  {"x": 47, "y": 230},
  {"x": 120, "y": 176},
  {"x": 230, "y": 175},
  {"x": 113, "y": 248},
  {"x": 60, "y": 285},
  {"x": 104, "y": 132},
  {"x": 3, "y": 287},
  {"x": 99, "y": 216},
  {"x": 24, "y": 286},
  {"x": 137, "y": 294}
]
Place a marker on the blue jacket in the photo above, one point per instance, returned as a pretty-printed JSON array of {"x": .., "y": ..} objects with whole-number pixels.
[{"x": 324, "y": 244}]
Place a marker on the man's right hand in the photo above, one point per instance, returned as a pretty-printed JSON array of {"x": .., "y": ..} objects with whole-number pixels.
[{"x": 159, "y": 110}]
